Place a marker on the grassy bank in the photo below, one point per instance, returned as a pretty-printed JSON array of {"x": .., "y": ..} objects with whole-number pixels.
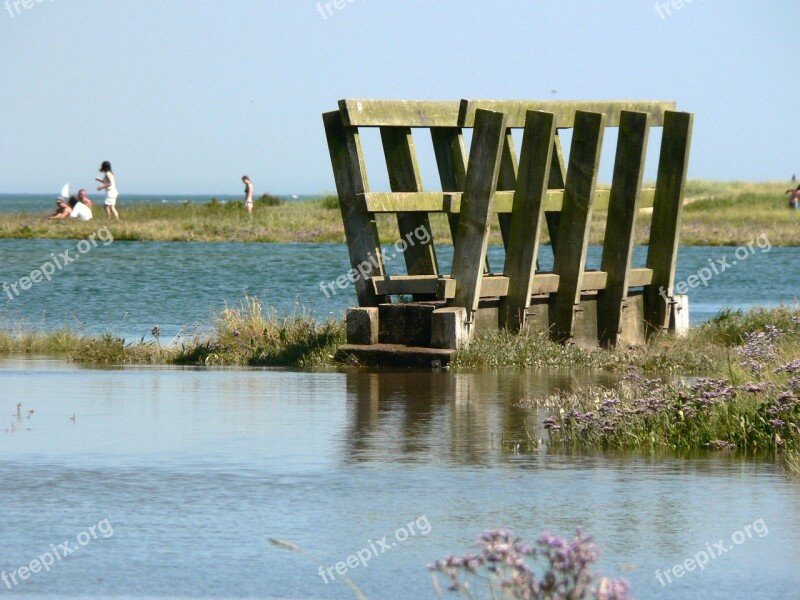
[
  {"x": 240, "y": 336},
  {"x": 749, "y": 399},
  {"x": 245, "y": 335},
  {"x": 716, "y": 214}
]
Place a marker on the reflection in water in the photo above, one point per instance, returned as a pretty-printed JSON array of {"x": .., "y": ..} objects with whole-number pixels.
[
  {"x": 406, "y": 415},
  {"x": 196, "y": 468}
]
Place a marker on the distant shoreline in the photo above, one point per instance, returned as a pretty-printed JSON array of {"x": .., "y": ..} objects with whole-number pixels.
[{"x": 715, "y": 214}]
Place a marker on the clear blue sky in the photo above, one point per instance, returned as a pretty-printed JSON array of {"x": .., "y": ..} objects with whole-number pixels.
[{"x": 185, "y": 96}]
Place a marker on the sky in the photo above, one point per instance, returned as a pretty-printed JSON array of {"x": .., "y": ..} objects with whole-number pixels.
[{"x": 186, "y": 96}]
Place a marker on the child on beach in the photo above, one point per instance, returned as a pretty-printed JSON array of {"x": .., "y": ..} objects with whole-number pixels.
[
  {"x": 248, "y": 194},
  {"x": 794, "y": 200},
  {"x": 109, "y": 184}
]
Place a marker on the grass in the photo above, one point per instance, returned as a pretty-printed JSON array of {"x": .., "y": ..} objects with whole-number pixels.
[
  {"x": 241, "y": 336},
  {"x": 716, "y": 213},
  {"x": 753, "y": 405},
  {"x": 249, "y": 335},
  {"x": 706, "y": 350}
]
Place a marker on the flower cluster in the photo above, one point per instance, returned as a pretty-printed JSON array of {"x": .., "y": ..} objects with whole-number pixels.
[
  {"x": 706, "y": 412},
  {"x": 760, "y": 348},
  {"x": 502, "y": 565}
]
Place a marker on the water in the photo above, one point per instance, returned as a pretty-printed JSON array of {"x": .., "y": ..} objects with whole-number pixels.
[
  {"x": 128, "y": 287},
  {"x": 195, "y": 469},
  {"x": 45, "y": 203}
]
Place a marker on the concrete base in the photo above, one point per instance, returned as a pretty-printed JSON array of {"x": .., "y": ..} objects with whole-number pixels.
[
  {"x": 394, "y": 355},
  {"x": 449, "y": 328},
  {"x": 408, "y": 323},
  {"x": 679, "y": 319},
  {"x": 361, "y": 325}
]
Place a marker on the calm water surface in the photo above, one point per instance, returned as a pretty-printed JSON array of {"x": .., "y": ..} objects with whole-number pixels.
[
  {"x": 128, "y": 287},
  {"x": 195, "y": 469}
]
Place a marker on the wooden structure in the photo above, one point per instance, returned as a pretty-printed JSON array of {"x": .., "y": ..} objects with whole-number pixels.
[{"x": 528, "y": 191}]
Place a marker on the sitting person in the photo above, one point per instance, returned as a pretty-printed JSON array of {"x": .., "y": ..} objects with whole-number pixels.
[
  {"x": 83, "y": 198},
  {"x": 62, "y": 209},
  {"x": 79, "y": 210}
]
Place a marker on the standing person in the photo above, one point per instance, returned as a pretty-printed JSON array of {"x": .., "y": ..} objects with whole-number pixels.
[
  {"x": 794, "y": 201},
  {"x": 248, "y": 194},
  {"x": 109, "y": 184}
]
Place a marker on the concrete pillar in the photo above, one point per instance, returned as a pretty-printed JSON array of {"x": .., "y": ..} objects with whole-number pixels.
[
  {"x": 449, "y": 328},
  {"x": 361, "y": 325}
]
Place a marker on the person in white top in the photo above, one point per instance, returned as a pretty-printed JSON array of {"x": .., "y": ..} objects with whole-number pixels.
[
  {"x": 79, "y": 210},
  {"x": 109, "y": 184}
]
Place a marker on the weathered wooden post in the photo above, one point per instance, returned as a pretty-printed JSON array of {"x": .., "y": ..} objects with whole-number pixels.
[{"x": 472, "y": 237}]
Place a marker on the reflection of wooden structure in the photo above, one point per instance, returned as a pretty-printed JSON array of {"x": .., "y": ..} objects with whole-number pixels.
[{"x": 526, "y": 192}]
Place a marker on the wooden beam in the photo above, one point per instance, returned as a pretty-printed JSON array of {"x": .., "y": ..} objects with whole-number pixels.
[
  {"x": 399, "y": 113},
  {"x": 622, "y": 209},
  {"x": 662, "y": 253},
  {"x": 404, "y": 176},
  {"x": 579, "y": 196},
  {"x": 564, "y": 111},
  {"x": 507, "y": 181},
  {"x": 472, "y": 238},
  {"x": 447, "y": 202},
  {"x": 451, "y": 161},
  {"x": 443, "y": 287},
  {"x": 527, "y": 216},
  {"x": 558, "y": 173},
  {"x": 361, "y": 231},
  {"x": 547, "y": 283}
]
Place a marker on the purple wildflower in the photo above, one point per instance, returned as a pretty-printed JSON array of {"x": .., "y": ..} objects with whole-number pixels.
[
  {"x": 719, "y": 445},
  {"x": 792, "y": 367}
]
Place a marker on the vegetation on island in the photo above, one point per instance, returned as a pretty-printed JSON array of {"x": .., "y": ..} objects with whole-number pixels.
[{"x": 715, "y": 214}]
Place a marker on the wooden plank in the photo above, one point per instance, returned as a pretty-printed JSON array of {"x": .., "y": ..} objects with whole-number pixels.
[
  {"x": 450, "y": 202},
  {"x": 527, "y": 216},
  {"x": 558, "y": 173},
  {"x": 579, "y": 196},
  {"x": 399, "y": 113},
  {"x": 443, "y": 287},
  {"x": 392, "y": 285},
  {"x": 622, "y": 209},
  {"x": 404, "y": 176},
  {"x": 544, "y": 283},
  {"x": 640, "y": 277},
  {"x": 472, "y": 238},
  {"x": 507, "y": 181},
  {"x": 360, "y": 228},
  {"x": 547, "y": 283},
  {"x": 662, "y": 253},
  {"x": 451, "y": 161},
  {"x": 565, "y": 111}
]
